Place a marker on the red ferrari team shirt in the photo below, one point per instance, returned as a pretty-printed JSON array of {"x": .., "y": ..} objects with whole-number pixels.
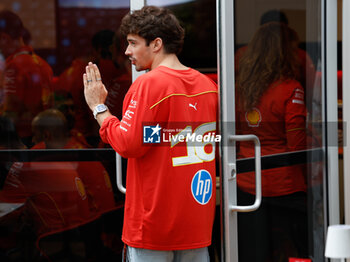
[
  {"x": 27, "y": 87},
  {"x": 53, "y": 194},
  {"x": 95, "y": 178},
  {"x": 170, "y": 199},
  {"x": 279, "y": 121}
]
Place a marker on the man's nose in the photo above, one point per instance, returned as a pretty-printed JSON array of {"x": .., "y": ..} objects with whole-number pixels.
[{"x": 127, "y": 51}]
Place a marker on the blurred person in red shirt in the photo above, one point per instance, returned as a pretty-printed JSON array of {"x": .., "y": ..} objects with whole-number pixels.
[
  {"x": 306, "y": 68},
  {"x": 59, "y": 196},
  {"x": 270, "y": 104},
  {"x": 46, "y": 198},
  {"x": 27, "y": 78},
  {"x": 51, "y": 132},
  {"x": 106, "y": 54},
  {"x": 63, "y": 101}
]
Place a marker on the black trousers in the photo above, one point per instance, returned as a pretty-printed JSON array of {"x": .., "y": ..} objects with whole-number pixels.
[{"x": 276, "y": 231}]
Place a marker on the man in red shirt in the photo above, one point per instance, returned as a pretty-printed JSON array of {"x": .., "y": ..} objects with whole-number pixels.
[
  {"x": 167, "y": 131},
  {"x": 26, "y": 87}
]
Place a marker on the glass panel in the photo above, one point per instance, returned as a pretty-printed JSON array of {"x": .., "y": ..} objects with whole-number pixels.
[
  {"x": 58, "y": 197},
  {"x": 199, "y": 21},
  {"x": 279, "y": 99}
]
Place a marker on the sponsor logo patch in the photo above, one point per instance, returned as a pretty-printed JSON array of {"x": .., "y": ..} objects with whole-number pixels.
[
  {"x": 253, "y": 117},
  {"x": 202, "y": 187}
]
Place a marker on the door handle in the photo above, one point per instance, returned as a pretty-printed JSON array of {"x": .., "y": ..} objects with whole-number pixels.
[
  {"x": 257, "y": 151},
  {"x": 119, "y": 173}
]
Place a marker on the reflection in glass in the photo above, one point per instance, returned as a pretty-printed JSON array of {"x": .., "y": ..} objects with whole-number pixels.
[
  {"x": 282, "y": 107},
  {"x": 270, "y": 104},
  {"x": 198, "y": 18},
  {"x": 27, "y": 78},
  {"x": 49, "y": 208}
]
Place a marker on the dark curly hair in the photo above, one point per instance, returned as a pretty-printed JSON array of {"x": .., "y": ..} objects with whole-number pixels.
[
  {"x": 271, "y": 56},
  {"x": 151, "y": 22}
]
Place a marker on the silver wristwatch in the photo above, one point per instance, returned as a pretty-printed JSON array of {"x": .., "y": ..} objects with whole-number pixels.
[{"x": 99, "y": 109}]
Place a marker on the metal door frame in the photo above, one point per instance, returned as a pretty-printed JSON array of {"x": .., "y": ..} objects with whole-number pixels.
[
  {"x": 346, "y": 105},
  {"x": 330, "y": 105},
  {"x": 226, "y": 78},
  {"x": 225, "y": 38}
]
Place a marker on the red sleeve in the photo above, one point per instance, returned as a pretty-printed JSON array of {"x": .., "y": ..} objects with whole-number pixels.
[
  {"x": 126, "y": 135},
  {"x": 13, "y": 83},
  {"x": 295, "y": 119},
  {"x": 11, "y": 79}
]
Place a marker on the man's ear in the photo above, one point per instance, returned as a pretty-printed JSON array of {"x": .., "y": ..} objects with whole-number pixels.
[{"x": 157, "y": 44}]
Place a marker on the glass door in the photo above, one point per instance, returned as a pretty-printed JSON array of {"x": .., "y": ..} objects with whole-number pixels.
[
  {"x": 278, "y": 88},
  {"x": 58, "y": 195}
]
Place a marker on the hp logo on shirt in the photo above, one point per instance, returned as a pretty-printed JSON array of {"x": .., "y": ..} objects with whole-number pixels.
[
  {"x": 202, "y": 187},
  {"x": 151, "y": 134}
]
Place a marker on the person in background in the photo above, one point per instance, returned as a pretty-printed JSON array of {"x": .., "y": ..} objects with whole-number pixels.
[
  {"x": 170, "y": 196},
  {"x": 271, "y": 105},
  {"x": 119, "y": 86},
  {"x": 50, "y": 196},
  {"x": 64, "y": 102},
  {"x": 51, "y": 131},
  {"x": 59, "y": 196},
  {"x": 27, "y": 82},
  {"x": 306, "y": 68},
  {"x": 104, "y": 53}
]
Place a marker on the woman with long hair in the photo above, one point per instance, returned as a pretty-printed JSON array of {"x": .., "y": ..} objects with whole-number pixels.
[{"x": 270, "y": 104}]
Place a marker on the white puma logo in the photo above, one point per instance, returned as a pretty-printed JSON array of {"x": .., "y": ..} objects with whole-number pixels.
[{"x": 194, "y": 106}]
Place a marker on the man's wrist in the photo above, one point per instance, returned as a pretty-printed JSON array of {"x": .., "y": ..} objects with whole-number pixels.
[{"x": 102, "y": 116}]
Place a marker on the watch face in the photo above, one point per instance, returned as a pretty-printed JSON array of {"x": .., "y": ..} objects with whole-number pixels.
[{"x": 100, "y": 108}]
